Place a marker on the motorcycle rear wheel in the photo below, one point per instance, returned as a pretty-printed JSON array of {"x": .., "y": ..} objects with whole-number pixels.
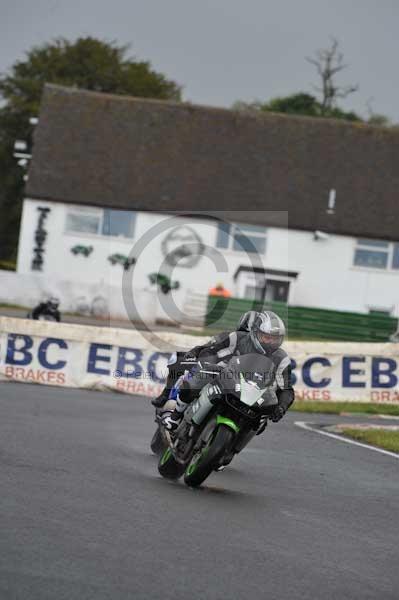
[
  {"x": 157, "y": 443},
  {"x": 200, "y": 467}
]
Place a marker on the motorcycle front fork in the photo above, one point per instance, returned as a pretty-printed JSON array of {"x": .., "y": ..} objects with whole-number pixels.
[
  {"x": 245, "y": 436},
  {"x": 242, "y": 439}
]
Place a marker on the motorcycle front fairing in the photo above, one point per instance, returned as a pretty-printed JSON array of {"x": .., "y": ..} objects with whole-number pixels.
[{"x": 250, "y": 378}]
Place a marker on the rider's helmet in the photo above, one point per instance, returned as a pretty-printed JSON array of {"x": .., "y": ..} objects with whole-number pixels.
[
  {"x": 267, "y": 332},
  {"x": 246, "y": 320},
  {"x": 53, "y": 303}
]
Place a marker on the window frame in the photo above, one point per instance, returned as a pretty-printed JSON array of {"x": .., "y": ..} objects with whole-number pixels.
[
  {"x": 83, "y": 213},
  {"x": 231, "y": 231},
  {"x": 118, "y": 237},
  {"x": 395, "y": 256},
  {"x": 100, "y": 214},
  {"x": 374, "y": 246}
]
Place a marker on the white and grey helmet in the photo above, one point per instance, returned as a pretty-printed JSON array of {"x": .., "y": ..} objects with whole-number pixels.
[
  {"x": 267, "y": 332},
  {"x": 53, "y": 303},
  {"x": 246, "y": 320}
]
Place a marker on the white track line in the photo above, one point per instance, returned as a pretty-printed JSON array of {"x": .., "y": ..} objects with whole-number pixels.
[
  {"x": 385, "y": 417},
  {"x": 306, "y": 426}
]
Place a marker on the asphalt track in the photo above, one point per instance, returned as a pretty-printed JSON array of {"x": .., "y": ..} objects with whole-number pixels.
[{"x": 85, "y": 515}]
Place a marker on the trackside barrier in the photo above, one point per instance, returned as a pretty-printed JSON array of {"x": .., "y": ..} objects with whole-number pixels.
[
  {"x": 124, "y": 360},
  {"x": 305, "y": 322}
]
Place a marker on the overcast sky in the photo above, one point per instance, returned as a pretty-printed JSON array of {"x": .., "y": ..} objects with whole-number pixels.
[{"x": 226, "y": 50}]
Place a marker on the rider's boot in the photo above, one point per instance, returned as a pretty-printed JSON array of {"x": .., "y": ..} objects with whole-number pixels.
[
  {"x": 172, "y": 419},
  {"x": 160, "y": 400}
]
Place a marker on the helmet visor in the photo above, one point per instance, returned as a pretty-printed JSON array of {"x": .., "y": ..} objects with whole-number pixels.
[{"x": 269, "y": 341}]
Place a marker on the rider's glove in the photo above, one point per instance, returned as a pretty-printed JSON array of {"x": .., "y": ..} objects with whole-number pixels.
[{"x": 278, "y": 413}]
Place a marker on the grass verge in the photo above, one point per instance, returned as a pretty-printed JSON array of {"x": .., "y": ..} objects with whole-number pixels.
[
  {"x": 336, "y": 408},
  {"x": 5, "y": 305},
  {"x": 388, "y": 440},
  {"x": 8, "y": 265}
]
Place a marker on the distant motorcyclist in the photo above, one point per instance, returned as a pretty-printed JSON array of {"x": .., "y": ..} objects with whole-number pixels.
[
  {"x": 48, "y": 311},
  {"x": 264, "y": 335}
]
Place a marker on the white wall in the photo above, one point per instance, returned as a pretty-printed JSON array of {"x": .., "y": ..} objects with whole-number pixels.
[
  {"x": 327, "y": 277},
  {"x": 100, "y": 299}
]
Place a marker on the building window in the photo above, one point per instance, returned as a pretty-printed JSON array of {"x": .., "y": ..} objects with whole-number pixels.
[
  {"x": 395, "y": 257},
  {"x": 372, "y": 254},
  {"x": 118, "y": 223},
  {"x": 223, "y": 236},
  {"x": 241, "y": 238},
  {"x": 80, "y": 222},
  {"x": 253, "y": 292}
]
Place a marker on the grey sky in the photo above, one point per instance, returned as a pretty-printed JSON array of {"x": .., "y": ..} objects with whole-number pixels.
[{"x": 225, "y": 50}]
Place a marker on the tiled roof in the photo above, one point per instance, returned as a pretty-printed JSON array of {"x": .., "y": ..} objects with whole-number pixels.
[{"x": 132, "y": 153}]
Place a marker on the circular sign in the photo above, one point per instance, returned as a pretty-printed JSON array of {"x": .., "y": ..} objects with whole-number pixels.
[{"x": 182, "y": 247}]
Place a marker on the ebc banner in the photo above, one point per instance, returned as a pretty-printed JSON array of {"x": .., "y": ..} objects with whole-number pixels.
[{"x": 124, "y": 361}]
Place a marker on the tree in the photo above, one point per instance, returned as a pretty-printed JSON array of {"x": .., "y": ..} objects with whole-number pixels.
[
  {"x": 376, "y": 118},
  {"x": 87, "y": 63},
  {"x": 329, "y": 62},
  {"x": 379, "y": 120},
  {"x": 297, "y": 104},
  {"x": 246, "y": 107}
]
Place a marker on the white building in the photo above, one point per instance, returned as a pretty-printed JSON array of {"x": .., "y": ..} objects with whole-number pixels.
[{"x": 280, "y": 208}]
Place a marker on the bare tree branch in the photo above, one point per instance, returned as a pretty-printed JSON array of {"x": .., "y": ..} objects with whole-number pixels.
[{"x": 329, "y": 62}]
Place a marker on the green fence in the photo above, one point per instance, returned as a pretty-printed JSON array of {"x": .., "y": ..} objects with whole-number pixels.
[{"x": 304, "y": 323}]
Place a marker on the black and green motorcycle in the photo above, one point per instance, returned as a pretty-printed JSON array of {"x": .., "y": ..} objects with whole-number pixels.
[{"x": 229, "y": 412}]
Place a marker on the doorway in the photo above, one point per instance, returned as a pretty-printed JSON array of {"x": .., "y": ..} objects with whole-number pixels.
[{"x": 276, "y": 290}]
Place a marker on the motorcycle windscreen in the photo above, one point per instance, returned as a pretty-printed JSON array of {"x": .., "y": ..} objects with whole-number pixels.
[
  {"x": 251, "y": 377},
  {"x": 250, "y": 393}
]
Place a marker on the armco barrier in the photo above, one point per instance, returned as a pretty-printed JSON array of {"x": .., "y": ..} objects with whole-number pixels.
[{"x": 123, "y": 360}]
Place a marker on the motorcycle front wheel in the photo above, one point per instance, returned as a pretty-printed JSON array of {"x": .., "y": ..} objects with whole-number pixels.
[
  {"x": 168, "y": 467},
  {"x": 205, "y": 461}
]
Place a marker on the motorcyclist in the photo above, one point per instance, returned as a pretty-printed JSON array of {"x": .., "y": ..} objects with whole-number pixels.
[
  {"x": 265, "y": 335},
  {"x": 179, "y": 362},
  {"x": 48, "y": 310}
]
